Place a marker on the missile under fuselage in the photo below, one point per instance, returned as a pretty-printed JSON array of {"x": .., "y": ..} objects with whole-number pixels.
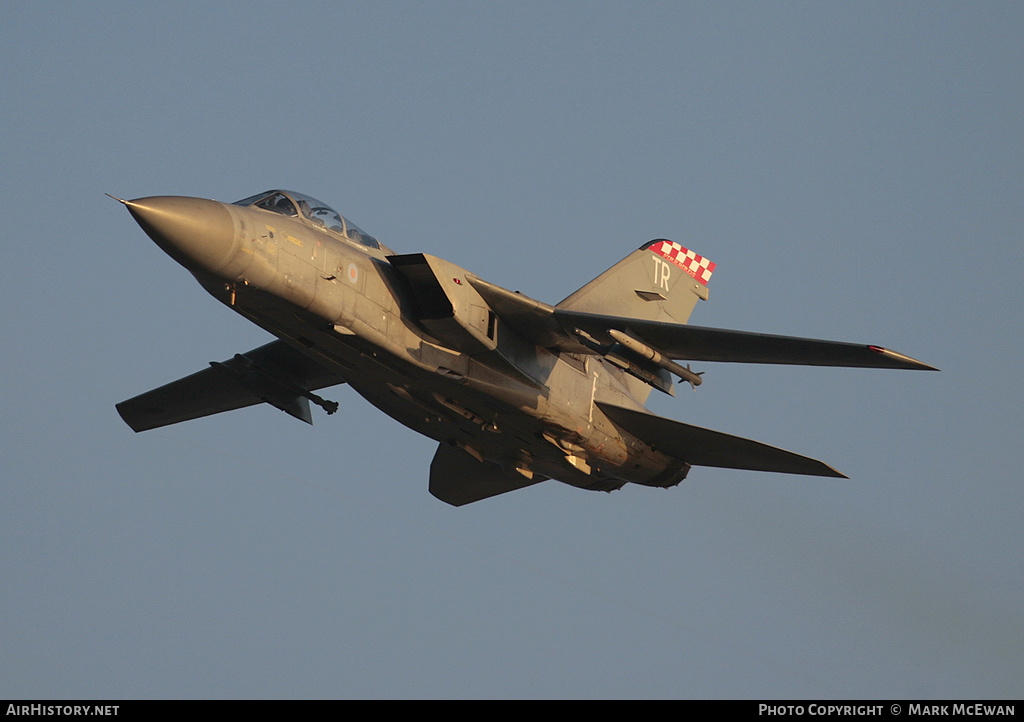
[{"x": 652, "y": 355}]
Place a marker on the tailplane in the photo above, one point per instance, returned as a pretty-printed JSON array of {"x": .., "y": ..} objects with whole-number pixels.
[
  {"x": 458, "y": 478},
  {"x": 704, "y": 447}
]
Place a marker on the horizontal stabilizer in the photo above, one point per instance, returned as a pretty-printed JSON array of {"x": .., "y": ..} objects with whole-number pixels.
[
  {"x": 457, "y": 478},
  {"x": 275, "y": 373},
  {"x": 704, "y": 447}
]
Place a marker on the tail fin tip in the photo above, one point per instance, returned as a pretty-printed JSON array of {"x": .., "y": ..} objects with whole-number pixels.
[{"x": 692, "y": 263}]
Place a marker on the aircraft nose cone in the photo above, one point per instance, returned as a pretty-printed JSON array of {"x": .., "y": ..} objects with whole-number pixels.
[{"x": 197, "y": 233}]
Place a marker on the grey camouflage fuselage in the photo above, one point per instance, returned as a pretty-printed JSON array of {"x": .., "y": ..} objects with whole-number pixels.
[{"x": 515, "y": 390}]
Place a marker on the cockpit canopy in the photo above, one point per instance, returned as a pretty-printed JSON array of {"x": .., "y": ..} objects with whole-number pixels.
[{"x": 290, "y": 203}]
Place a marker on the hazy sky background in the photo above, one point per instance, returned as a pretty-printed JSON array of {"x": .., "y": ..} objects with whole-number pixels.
[{"x": 854, "y": 169}]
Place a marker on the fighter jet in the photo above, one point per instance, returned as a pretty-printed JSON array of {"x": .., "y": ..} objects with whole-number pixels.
[{"x": 514, "y": 390}]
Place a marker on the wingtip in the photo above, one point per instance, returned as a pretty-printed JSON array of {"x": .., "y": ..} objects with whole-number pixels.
[
  {"x": 903, "y": 360},
  {"x": 824, "y": 470}
]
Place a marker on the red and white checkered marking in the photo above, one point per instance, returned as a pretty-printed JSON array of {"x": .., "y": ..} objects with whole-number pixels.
[{"x": 697, "y": 266}]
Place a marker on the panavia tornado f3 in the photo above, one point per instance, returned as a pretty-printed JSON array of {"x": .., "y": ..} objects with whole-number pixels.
[{"x": 515, "y": 391}]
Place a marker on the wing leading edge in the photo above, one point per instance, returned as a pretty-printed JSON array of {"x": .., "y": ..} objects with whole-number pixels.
[{"x": 696, "y": 343}]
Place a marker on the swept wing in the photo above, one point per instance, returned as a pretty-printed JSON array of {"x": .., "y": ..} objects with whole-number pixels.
[
  {"x": 578, "y": 332},
  {"x": 275, "y": 373}
]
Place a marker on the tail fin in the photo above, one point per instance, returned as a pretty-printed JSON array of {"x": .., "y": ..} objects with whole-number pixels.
[{"x": 660, "y": 281}]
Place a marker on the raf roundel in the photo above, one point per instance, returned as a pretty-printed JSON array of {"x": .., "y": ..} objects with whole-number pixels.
[{"x": 353, "y": 272}]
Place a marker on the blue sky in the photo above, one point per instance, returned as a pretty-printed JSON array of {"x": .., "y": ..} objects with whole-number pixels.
[{"x": 853, "y": 169}]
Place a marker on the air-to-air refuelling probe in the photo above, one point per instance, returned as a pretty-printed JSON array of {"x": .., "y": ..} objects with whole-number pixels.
[{"x": 514, "y": 390}]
